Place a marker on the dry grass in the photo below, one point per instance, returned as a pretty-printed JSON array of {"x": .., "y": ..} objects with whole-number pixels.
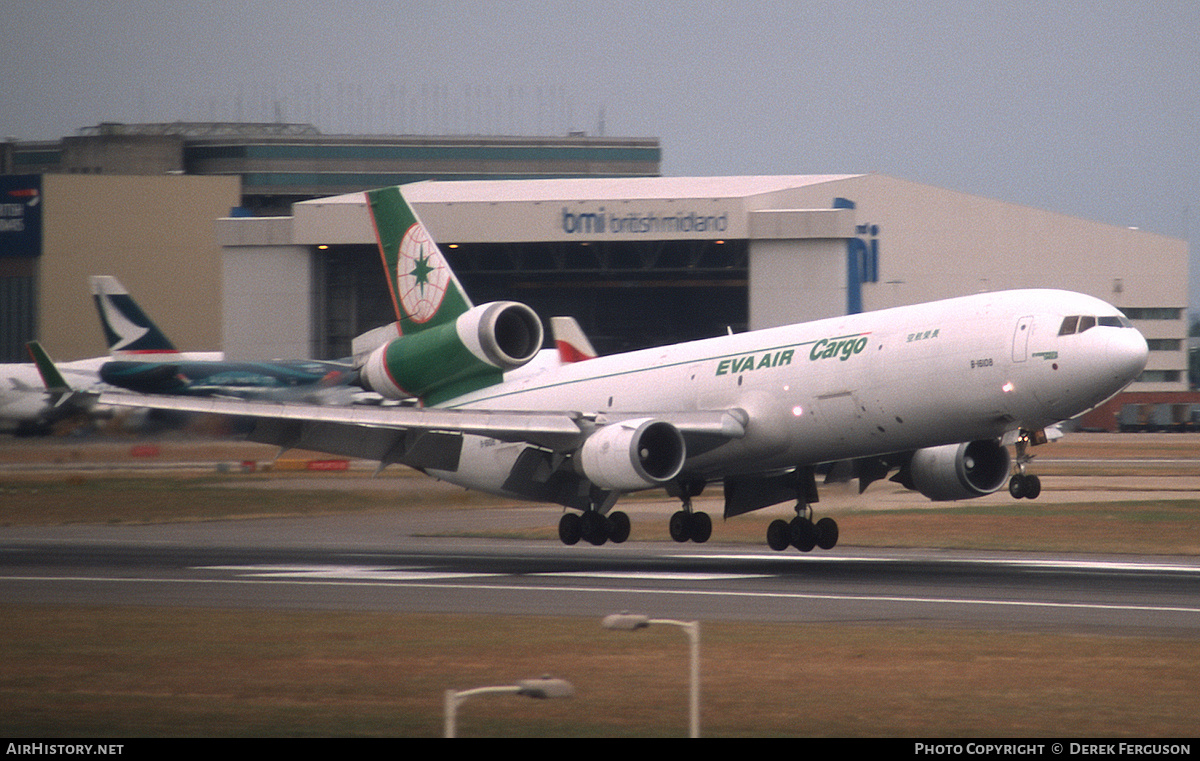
[
  {"x": 1136, "y": 526},
  {"x": 49, "y": 499},
  {"x": 178, "y": 672}
]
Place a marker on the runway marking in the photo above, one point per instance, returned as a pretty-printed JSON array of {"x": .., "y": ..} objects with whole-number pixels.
[
  {"x": 378, "y": 581},
  {"x": 346, "y": 572},
  {"x": 368, "y": 573},
  {"x": 1075, "y": 565},
  {"x": 656, "y": 575}
]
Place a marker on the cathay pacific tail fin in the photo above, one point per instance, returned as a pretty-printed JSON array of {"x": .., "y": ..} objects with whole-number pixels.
[{"x": 127, "y": 329}]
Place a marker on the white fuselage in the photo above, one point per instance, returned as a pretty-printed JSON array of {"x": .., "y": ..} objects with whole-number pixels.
[
  {"x": 23, "y": 396},
  {"x": 868, "y": 384}
]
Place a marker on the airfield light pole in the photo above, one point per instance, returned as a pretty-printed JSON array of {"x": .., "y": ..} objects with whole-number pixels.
[
  {"x": 542, "y": 688},
  {"x": 633, "y": 621}
]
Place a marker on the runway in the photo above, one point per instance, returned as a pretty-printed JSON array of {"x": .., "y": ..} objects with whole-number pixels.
[
  {"x": 377, "y": 563},
  {"x": 420, "y": 560}
]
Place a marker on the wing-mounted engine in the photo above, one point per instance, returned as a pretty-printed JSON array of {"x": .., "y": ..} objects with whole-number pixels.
[
  {"x": 469, "y": 353},
  {"x": 633, "y": 455},
  {"x": 958, "y": 471}
]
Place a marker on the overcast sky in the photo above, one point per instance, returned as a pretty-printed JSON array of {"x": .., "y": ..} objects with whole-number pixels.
[{"x": 1084, "y": 108}]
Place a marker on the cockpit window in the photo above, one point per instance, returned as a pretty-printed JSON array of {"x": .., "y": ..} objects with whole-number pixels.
[{"x": 1077, "y": 323}]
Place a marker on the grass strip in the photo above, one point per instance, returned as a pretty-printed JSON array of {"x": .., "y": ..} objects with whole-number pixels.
[{"x": 179, "y": 672}]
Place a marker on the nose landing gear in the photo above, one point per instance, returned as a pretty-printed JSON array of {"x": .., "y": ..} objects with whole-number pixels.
[
  {"x": 687, "y": 524},
  {"x": 1023, "y": 485}
]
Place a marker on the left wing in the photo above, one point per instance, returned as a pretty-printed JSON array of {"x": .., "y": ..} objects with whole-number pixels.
[{"x": 427, "y": 437}]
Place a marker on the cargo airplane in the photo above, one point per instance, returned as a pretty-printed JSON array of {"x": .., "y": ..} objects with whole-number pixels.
[{"x": 932, "y": 394}]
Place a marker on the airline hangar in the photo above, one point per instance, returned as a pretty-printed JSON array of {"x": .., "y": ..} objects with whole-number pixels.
[{"x": 648, "y": 261}]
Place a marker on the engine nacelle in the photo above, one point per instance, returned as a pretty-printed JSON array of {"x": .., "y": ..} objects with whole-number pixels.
[
  {"x": 633, "y": 454},
  {"x": 960, "y": 471},
  {"x": 457, "y": 357}
]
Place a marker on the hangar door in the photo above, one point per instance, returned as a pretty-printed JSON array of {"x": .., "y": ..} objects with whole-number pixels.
[{"x": 626, "y": 296}]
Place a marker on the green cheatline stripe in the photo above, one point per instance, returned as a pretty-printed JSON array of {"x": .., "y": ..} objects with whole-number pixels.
[{"x": 635, "y": 370}]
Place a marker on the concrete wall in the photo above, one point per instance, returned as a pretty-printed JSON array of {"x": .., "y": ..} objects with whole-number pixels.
[
  {"x": 156, "y": 234},
  {"x": 268, "y": 302},
  {"x": 796, "y": 281}
]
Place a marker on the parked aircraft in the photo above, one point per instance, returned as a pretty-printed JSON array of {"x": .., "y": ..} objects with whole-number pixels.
[
  {"x": 128, "y": 330},
  {"x": 933, "y": 393},
  {"x": 141, "y": 363},
  {"x": 30, "y": 403},
  {"x": 303, "y": 379}
]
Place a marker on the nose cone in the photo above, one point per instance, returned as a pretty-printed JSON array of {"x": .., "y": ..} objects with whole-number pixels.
[{"x": 1126, "y": 356}]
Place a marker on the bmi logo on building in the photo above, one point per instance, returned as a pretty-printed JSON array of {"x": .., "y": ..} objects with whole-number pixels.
[
  {"x": 601, "y": 222},
  {"x": 862, "y": 259}
]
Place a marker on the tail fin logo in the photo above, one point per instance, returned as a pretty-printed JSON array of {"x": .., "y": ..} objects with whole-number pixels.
[
  {"x": 127, "y": 329},
  {"x": 422, "y": 275},
  {"x": 123, "y": 331}
]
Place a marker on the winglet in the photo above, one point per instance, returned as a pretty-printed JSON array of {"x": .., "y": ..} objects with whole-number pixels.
[
  {"x": 573, "y": 345},
  {"x": 425, "y": 292},
  {"x": 127, "y": 329}
]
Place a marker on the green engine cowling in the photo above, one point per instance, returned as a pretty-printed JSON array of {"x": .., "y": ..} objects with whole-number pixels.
[{"x": 455, "y": 358}]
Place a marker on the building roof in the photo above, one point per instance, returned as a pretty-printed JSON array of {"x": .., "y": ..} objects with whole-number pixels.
[{"x": 598, "y": 189}]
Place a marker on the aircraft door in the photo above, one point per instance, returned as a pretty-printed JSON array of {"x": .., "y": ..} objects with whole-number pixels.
[{"x": 1020, "y": 347}]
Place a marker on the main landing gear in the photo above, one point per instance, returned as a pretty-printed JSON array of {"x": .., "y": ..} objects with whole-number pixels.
[
  {"x": 687, "y": 524},
  {"x": 801, "y": 532},
  {"x": 1021, "y": 485},
  {"x": 594, "y": 527}
]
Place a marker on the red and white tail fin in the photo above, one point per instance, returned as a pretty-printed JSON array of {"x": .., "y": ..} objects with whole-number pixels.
[{"x": 573, "y": 345}]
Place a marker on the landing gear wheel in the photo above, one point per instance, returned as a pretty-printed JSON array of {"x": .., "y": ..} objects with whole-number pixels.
[
  {"x": 803, "y": 534},
  {"x": 701, "y": 528},
  {"x": 594, "y": 527},
  {"x": 779, "y": 535},
  {"x": 681, "y": 526},
  {"x": 827, "y": 533},
  {"x": 618, "y": 527},
  {"x": 1025, "y": 487},
  {"x": 569, "y": 528}
]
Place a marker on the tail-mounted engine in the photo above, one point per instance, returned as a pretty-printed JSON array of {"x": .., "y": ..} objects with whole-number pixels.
[
  {"x": 633, "y": 455},
  {"x": 959, "y": 471},
  {"x": 452, "y": 359}
]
